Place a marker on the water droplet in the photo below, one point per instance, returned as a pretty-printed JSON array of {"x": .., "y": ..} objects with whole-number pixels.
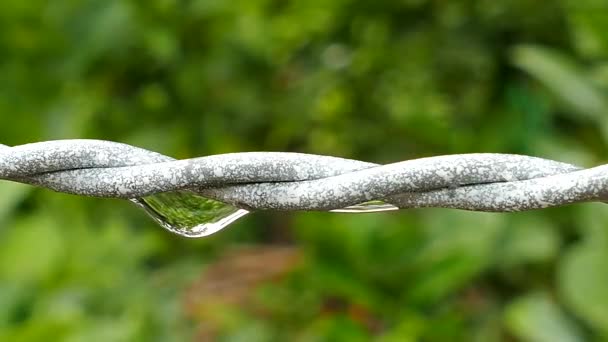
[
  {"x": 188, "y": 214},
  {"x": 367, "y": 207}
]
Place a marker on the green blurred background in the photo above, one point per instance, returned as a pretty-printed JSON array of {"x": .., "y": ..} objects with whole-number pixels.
[{"x": 380, "y": 81}]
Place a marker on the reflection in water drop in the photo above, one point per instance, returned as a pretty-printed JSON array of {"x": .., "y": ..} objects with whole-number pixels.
[
  {"x": 188, "y": 214},
  {"x": 367, "y": 207}
]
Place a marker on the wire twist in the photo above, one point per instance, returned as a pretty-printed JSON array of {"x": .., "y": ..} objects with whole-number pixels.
[{"x": 296, "y": 181}]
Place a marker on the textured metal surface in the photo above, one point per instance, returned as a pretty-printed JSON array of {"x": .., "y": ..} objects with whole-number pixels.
[{"x": 295, "y": 181}]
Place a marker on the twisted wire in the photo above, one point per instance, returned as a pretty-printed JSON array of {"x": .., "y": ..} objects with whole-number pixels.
[{"x": 296, "y": 181}]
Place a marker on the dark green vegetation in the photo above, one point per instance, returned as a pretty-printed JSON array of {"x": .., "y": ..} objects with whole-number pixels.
[{"x": 378, "y": 81}]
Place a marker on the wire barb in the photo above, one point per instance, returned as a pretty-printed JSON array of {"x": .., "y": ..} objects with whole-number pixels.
[{"x": 296, "y": 181}]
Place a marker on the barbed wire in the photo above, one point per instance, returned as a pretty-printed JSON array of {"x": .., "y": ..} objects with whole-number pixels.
[{"x": 296, "y": 181}]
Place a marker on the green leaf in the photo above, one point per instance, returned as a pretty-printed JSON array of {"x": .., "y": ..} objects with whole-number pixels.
[
  {"x": 12, "y": 194},
  {"x": 563, "y": 77},
  {"x": 583, "y": 281},
  {"x": 31, "y": 251},
  {"x": 529, "y": 239},
  {"x": 536, "y": 317}
]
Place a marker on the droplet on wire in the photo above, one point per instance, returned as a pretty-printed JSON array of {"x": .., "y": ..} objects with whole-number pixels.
[
  {"x": 367, "y": 207},
  {"x": 188, "y": 214}
]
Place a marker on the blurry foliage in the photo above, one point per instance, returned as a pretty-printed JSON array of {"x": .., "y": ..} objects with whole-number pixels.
[{"x": 374, "y": 80}]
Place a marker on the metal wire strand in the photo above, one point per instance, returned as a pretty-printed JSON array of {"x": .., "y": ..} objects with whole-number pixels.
[{"x": 296, "y": 181}]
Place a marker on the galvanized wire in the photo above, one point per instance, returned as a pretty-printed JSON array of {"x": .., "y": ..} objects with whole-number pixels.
[{"x": 296, "y": 181}]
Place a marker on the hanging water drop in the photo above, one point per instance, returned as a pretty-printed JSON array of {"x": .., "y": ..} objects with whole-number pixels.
[
  {"x": 367, "y": 207},
  {"x": 188, "y": 214}
]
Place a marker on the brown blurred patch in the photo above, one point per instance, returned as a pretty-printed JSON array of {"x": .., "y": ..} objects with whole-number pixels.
[
  {"x": 356, "y": 312},
  {"x": 228, "y": 284}
]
